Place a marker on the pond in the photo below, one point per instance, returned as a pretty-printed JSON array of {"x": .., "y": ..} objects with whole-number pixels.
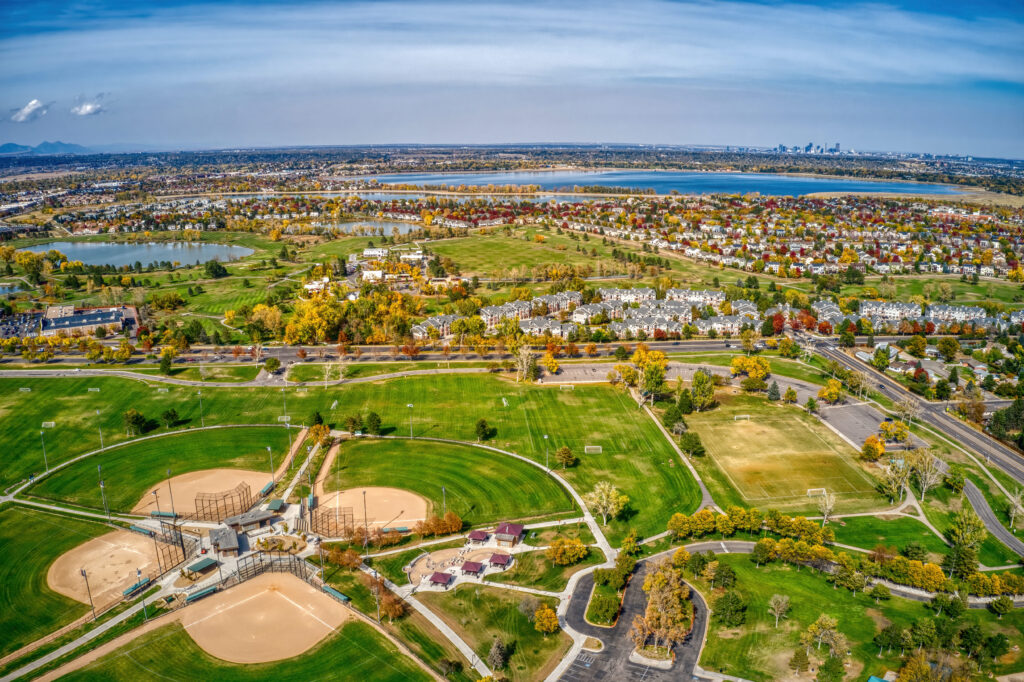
[
  {"x": 121, "y": 253},
  {"x": 6, "y": 289}
]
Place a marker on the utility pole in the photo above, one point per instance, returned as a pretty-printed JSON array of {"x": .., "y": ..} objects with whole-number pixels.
[
  {"x": 89, "y": 592},
  {"x": 376, "y": 592},
  {"x": 156, "y": 496},
  {"x": 284, "y": 399},
  {"x": 43, "y": 441}
]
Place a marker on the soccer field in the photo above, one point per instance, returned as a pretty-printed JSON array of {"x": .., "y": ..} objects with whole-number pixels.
[{"x": 779, "y": 453}]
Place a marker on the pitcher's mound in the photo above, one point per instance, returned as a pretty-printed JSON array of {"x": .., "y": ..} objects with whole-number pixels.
[
  {"x": 110, "y": 561},
  {"x": 391, "y": 507},
  {"x": 269, "y": 618},
  {"x": 186, "y": 486}
]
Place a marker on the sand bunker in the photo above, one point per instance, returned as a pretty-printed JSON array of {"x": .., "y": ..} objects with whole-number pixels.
[
  {"x": 390, "y": 507},
  {"x": 268, "y": 618},
  {"x": 185, "y": 487},
  {"x": 110, "y": 561}
]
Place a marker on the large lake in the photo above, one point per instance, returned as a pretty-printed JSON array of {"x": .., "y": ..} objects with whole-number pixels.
[
  {"x": 119, "y": 253},
  {"x": 665, "y": 182}
]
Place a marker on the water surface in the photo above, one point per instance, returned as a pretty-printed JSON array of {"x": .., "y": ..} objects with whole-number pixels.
[{"x": 121, "y": 253}]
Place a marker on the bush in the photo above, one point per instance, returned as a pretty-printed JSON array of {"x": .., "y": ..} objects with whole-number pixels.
[{"x": 604, "y": 609}]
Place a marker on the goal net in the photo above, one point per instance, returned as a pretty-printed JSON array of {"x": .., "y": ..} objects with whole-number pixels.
[
  {"x": 816, "y": 492},
  {"x": 592, "y": 449},
  {"x": 741, "y": 416},
  {"x": 566, "y": 387}
]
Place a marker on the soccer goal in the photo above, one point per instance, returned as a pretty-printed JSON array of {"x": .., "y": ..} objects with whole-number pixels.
[
  {"x": 566, "y": 387},
  {"x": 161, "y": 390},
  {"x": 816, "y": 492},
  {"x": 49, "y": 425},
  {"x": 738, "y": 417},
  {"x": 592, "y": 449},
  {"x": 94, "y": 390},
  {"x": 284, "y": 418},
  {"x": 504, "y": 401}
]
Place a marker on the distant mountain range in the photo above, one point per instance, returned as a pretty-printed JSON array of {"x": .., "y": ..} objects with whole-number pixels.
[{"x": 12, "y": 149}]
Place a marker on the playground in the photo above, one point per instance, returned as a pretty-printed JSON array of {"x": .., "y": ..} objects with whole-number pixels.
[
  {"x": 445, "y": 559},
  {"x": 110, "y": 561},
  {"x": 282, "y": 617}
]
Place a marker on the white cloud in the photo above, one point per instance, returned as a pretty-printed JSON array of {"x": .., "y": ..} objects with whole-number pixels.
[
  {"x": 30, "y": 112},
  {"x": 89, "y": 106}
]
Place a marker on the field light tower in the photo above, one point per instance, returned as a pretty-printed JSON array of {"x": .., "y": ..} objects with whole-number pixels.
[
  {"x": 43, "y": 441},
  {"x": 100, "y": 427},
  {"x": 546, "y": 465},
  {"x": 271, "y": 455},
  {"x": 410, "y": 419},
  {"x": 201, "y": 420}
]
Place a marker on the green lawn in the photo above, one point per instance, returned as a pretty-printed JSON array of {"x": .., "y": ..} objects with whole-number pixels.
[
  {"x": 314, "y": 371},
  {"x": 532, "y": 569},
  {"x": 131, "y": 469},
  {"x": 940, "y": 505},
  {"x": 868, "y": 532},
  {"x": 481, "y": 486},
  {"x": 30, "y": 541},
  {"x": 636, "y": 456},
  {"x": 356, "y": 648},
  {"x": 481, "y": 614},
  {"x": 758, "y": 651}
]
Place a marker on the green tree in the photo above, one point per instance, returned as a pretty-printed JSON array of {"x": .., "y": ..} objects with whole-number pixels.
[
  {"x": 271, "y": 365},
  {"x": 773, "y": 391},
  {"x": 483, "y": 430},
  {"x": 967, "y": 530},
  {"x": 691, "y": 445},
  {"x": 832, "y": 670},
  {"x": 812, "y": 405},
  {"x": 730, "y": 609},
  {"x": 789, "y": 397},
  {"x": 1000, "y": 606},
  {"x": 169, "y": 417},
  {"x": 917, "y": 345},
  {"x": 166, "y": 362},
  {"x": 949, "y": 347},
  {"x": 373, "y": 424},
  {"x": 685, "y": 402},
  {"x": 880, "y": 360},
  {"x": 799, "y": 662},
  {"x": 703, "y": 390},
  {"x": 134, "y": 421}
]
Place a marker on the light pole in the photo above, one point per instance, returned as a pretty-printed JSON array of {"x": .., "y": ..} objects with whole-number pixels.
[
  {"x": 103, "y": 492},
  {"x": 43, "y": 441},
  {"x": 410, "y": 419},
  {"x": 284, "y": 399},
  {"x": 444, "y": 501},
  {"x": 170, "y": 493},
  {"x": 366, "y": 528},
  {"x": 546, "y": 465},
  {"x": 156, "y": 496},
  {"x": 100, "y": 427},
  {"x": 271, "y": 455},
  {"x": 201, "y": 420},
  {"x": 89, "y": 592},
  {"x": 138, "y": 576}
]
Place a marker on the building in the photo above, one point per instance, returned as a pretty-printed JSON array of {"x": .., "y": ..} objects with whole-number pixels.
[
  {"x": 474, "y": 568},
  {"x": 224, "y": 541},
  {"x": 508, "y": 534},
  {"x": 442, "y": 323},
  {"x": 250, "y": 520},
  {"x": 73, "y": 321},
  {"x": 441, "y": 579},
  {"x": 501, "y": 561},
  {"x": 478, "y": 537}
]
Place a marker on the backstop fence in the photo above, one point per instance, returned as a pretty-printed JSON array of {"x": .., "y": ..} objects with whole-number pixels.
[
  {"x": 332, "y": 523},
  {"x": 215, "y": 507}
]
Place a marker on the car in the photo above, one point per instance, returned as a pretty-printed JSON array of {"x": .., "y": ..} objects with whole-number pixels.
[{"x": 881, "y": 386}]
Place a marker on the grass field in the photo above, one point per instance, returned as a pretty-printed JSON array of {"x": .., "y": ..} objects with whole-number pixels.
[
  {"x": 481, "y": 614},
  {"x": 941, "y": 504},
  {"x": 131, "y": 469},
  {"x": 635, "y": 455},
  {"x": 758, "y": 651},
  {"x": 30, "y": 541},
  {"x": 481, "y": 487},
  {"x": 779, "y": 453},
  {"x": 170, "y": 654},
  {"x": 868, "y": 532},
  {"x": 532, "y": 569}
]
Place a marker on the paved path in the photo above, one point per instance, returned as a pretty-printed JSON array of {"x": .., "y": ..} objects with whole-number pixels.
[
  {"x": 706, "y": 501},
  {"x": 984, "y": 511}
]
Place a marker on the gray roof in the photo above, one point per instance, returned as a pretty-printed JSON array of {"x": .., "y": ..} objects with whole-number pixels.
[
  {"x": 254, "y": 516},
  {"x": 224, "y": 538}
]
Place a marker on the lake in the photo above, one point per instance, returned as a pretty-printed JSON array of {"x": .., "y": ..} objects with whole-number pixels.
[
  {"x": 665, "y": 182},
  {"x": 120, "y": 253},
  {"x": 6, "y": 289}
]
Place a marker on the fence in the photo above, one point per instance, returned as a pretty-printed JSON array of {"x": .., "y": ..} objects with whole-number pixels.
[
  {"x": 332, "y": 523},
  {"x": 173, "y": 546},
  {"x": 215, "y": 507}
]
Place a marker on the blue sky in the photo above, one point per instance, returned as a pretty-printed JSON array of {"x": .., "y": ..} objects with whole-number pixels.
[{"x": 942, "y": 76}]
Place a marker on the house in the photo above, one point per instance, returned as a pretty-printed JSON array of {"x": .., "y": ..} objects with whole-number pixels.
[
  {"x": 250, "y": 520},
  {"x": 317, "y": 285},
  {"x": 441, "y": 579},
  {"x": 442, "y": 323},
  {"x": 373, "y": 275},
  {"x": 478, "y": 537},
  {"x": 508, "y": 534},
  {"x": 474, "y": 568},
  {"x": 501, "y": 561},
  {"x": 73, "y": 321},
  {"x": 375, "y": 254},
  {"x": 224, "y": 541}
]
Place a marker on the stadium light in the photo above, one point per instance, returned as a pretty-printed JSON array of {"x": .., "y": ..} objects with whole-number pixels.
[
  {"x": 201, "y": 420},
  {"x": 271, "y": 455},
  {"x": 410, "y": 419},
  {"x": 100, "y": 427},
  {"x": 43, "y": 441}
]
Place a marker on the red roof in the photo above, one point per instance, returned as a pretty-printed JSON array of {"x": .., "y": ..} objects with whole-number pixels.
[
  {"x": 439, "y": 578},
  {"x": 500, "y": 559},
  {"x": 513, "y": 529},
  {"x": 478, "y": 535},
  {"x": 472, "y": 567}
]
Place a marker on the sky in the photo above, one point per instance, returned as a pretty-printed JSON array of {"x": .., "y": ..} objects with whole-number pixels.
[{"x": 940, "y": 76}]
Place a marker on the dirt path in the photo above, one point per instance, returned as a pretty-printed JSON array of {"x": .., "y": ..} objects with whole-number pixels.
[
  {"x": 325, "y": 470},
  {"x": 296, "y": 446}
]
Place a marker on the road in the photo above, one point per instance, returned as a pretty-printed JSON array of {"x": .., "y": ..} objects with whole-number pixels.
[{"x": 980, "y": 504}]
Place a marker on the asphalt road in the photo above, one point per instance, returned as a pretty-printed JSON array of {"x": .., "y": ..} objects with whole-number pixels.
[{"x": 980, "y": 504}]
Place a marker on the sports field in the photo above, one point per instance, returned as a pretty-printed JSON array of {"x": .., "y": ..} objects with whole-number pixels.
[
  {"x": 30, "y": 541},
  {"x": 132, "y": 469},
  {"x": 355, "y": 651},
  {"x": 779, "y": 453},
  {"x": 635, "y": 454},
  {"x": 480, "y": 487}
]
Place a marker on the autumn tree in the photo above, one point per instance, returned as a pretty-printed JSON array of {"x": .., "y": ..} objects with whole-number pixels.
[
  {"x": 606, "y": 500},
  {"x": 565, "y": 457},
  {"x": 545, "y": 620},
  {"x": 566, "y": 551},
  {"x": 831, "y": 391},
  {"x": 702, "y": 391},
  {"x": 873, "y": 448},
  {"x": 778, "y": 607}
]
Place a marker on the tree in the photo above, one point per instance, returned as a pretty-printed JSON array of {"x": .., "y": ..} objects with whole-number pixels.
[
  {"x": 949, "y": 347},
  {"x": 1001, "y": 605},
  {"x": 730, "y": 609},
  {"x": 896, "y": 431},
  {"x": 271, "y": 365},
  {"x": 169, "y": 417},
  {"x": 995, "y": 646},
  {"x": 799, "y": 662},
  {"x": 391, "y": 605},
  {"x": 917, "y": 345},
  {"x": 134, "y": 421},
  {"x": 373, "y": 423},
  {"x": 811, "y": 405},
  {"x": 497, "y": 656},
  {"x": 690, "y": 444},
  {"x": 606, "y": 500},
  {"x": 773, "y": 391},
  {"x": 832, "y": 670},
  {"x": 927, "y": 469},
  {"x": 703, "y": 391},
  {"x": 879, "y": 591},
  {"x": 564, "y": 456},
  {"x": 826, "y": 503},
  {"x": 967, "y": 530},
  {"x": 880, "y": 360},
  {"x": 566, "y": 551},
  {"x": 483, "y": 430},
  {"x": 685, "y": 402},
  {"x": 873, "y": 448},
  {"x": 831, "y": 391},
  {"x": 166, "y": 361},
  {"x": 789, "y": 397},
  {"x": 545, "y": 620},
  {"x": 550, "y": 363},
  {"x": 778, "y": 606},
  {"x": 320, "y": 434}
]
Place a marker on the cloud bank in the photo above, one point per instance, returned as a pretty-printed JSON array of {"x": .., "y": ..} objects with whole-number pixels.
[
  {"x": 35, "y": 109},
  {"x": 89, "y": 106}
]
